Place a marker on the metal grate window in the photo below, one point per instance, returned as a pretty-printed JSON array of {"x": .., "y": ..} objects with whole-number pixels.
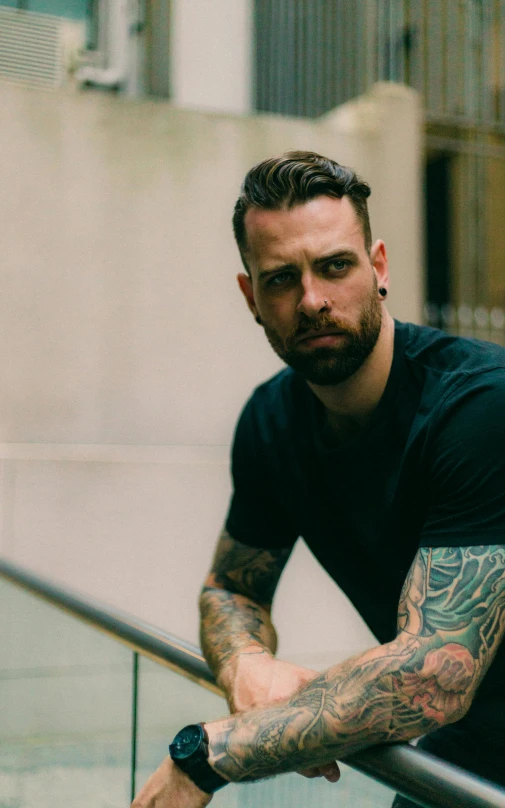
[
  {"x": 308, "y": 55},
  {"x": 312, "y": 55},
  {"x": 30, "y": 48}
]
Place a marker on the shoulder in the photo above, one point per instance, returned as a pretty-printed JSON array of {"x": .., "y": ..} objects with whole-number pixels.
[
  {"x": 449, "y": 371},
  {"x": 464, "y": 463},
  {"x": 466, "y": 445},
  {"x": 472, "y": 412},
  {"x": 449, "y": 355}
]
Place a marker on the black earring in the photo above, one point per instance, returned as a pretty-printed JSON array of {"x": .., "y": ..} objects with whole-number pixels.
[
  {"x": 258, "y": 320},
  {"x": 383, "y": 292}
]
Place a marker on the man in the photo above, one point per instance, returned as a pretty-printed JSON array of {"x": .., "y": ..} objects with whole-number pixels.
[{"x": 383, "y": 445}]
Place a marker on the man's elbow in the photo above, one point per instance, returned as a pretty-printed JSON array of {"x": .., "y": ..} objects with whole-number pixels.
[
  {"x": 440, "y": 690},
  {"x": 216, "y": 598},
  {"x": 208, "y": 594}
]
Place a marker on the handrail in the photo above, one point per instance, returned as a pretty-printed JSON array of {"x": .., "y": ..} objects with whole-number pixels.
[
  {"x": 136, "y": 633},
  {"x": 429, "y": 781}
]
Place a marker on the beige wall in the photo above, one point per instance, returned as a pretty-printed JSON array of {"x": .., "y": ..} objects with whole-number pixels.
[
  {"x": 127, "y": 351},
  {"x": 210, "y": 54}
]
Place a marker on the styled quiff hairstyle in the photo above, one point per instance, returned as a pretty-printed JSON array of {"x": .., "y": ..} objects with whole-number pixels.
[{"x": 295, "y": 178}]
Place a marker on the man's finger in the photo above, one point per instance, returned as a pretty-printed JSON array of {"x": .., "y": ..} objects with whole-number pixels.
[{"x": 331, "y": 771}]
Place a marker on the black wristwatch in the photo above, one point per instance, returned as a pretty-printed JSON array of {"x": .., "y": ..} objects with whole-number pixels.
[{"x": 190, "y": 751}]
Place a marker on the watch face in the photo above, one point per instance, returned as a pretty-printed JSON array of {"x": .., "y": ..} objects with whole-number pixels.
[{"x": 186, "y": 742}]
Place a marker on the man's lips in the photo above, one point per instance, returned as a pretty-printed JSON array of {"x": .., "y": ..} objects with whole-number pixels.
[{"x": 316, "y": 334}]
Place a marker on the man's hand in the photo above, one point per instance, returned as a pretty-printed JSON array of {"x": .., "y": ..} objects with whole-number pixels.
[
  {"x": 170, "y": 787},
  {"x": 256, "y": 679}
]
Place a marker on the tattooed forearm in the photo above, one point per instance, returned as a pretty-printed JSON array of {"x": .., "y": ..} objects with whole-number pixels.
[
  {"x": 235, "y": 602},
  {"x": 451, "y": 621},
  {"x": 345, "y": 709},
  {"x": 230, "y": 623}
]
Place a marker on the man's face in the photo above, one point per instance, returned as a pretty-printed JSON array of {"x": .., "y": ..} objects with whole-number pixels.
[{"x": 313, "y": 286}]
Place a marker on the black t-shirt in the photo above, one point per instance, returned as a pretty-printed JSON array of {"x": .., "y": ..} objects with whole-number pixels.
[{"x": 427, "y": 471}]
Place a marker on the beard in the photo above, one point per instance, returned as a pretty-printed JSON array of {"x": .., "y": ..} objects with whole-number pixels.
[{"x": 327, "y": 365}]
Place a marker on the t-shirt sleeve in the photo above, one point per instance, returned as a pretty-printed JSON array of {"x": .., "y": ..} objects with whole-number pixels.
[
  {"x": 256, "y": 515},
  {"x": 466, "y": 467}
]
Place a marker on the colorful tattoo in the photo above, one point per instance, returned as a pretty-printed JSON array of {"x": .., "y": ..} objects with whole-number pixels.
[{"x": 450, "y": 623}]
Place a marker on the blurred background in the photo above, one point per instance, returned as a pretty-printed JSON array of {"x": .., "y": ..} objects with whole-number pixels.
[
  {"x": 304, "y": 58},
  {"x": 126, "y": 127},
  {"x": 128, "y": 351}
]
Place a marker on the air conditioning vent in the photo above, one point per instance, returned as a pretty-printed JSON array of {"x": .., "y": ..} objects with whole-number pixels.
[{"x": 31, "y": 48}]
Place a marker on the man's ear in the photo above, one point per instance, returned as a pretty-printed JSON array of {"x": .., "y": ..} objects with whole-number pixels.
[
  {"x": 245, "y": 284},
  {"x": 379, "y": 261}
]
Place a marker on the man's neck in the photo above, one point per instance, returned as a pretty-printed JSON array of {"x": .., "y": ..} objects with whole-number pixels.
[{"x": 350, "y": 404}]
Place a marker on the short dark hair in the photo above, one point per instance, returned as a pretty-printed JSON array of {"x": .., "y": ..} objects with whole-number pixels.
[{"x": 294, "y": 178}]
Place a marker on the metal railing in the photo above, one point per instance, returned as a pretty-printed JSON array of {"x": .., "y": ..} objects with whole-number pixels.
[{"x": 427, "y": 780}]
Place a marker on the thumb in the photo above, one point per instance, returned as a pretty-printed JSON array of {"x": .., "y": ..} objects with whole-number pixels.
[{"x": 331, "y": 771}]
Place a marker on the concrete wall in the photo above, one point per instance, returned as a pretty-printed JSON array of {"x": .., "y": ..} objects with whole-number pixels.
[
  {"x": 127, "y": 351},
  {"x": 210, "y": 54}
]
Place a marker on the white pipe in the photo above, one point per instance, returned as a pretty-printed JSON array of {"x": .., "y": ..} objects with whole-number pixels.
[{"x": 117, "y": 35}]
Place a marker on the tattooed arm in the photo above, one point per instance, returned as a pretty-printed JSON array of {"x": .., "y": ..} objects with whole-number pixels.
[
  {"x": 237, "y": 634},
  {"x": 236, "y": 601},
  {"x": 451, "y": 621}
]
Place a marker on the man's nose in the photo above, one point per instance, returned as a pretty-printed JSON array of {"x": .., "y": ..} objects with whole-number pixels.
[{"x": 314, "y": 299}]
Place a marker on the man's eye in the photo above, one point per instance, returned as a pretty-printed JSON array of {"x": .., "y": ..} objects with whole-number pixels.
[
  {"x": 337, "y": 266},
  {"x": 280, "y": 279}
]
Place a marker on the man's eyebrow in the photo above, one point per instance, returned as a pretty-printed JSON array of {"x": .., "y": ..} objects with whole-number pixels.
[
  {"x": 263, "y": 273},
  {"x": 337, "y": 255}
]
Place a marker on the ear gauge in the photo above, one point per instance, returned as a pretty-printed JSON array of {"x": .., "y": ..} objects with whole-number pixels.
[
  {"x": 383, "y": 292},
  {"x": 258, "y": 320}
]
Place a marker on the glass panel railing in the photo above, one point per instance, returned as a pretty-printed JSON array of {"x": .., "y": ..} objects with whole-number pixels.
[
  {"x": 84, "y": 719},
  {"x": 65, "y": 708}
]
